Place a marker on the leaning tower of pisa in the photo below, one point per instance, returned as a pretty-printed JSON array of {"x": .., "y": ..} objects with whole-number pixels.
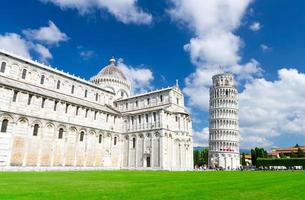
[{"x": 224, "y": 124}]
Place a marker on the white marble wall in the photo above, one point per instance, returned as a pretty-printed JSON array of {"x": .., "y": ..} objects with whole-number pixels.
[
  {"x": 224, "y": 123},
  {"x": 161, "y": 139}
]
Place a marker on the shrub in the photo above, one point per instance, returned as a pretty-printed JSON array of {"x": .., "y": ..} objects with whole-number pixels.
[{"x": 287, "y": 162}]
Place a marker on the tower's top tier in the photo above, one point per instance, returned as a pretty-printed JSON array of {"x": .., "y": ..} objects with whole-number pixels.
[{"x": 223, "y": 80}]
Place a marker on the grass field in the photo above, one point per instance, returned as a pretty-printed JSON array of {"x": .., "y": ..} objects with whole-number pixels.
[{"x": 152, "y": 185}]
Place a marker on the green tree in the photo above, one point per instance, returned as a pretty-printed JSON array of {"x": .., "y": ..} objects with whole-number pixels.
[
  {"x": 293, "y": 155},
  {"x": 205, "y": 156},
  {"x": 196, "y": 154},
  {"x": 243, "y": 159},
  {"x": 300, "y": 153},
  {"x": 258, "y": 153}
]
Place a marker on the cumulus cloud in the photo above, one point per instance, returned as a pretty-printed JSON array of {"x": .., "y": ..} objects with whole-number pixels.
[
  {"x": 125, "y": 11},
  {"x": 214, "y": 44},
  {"x": 32, "y": 41},
  {"x": 49, "y": 34},
  {"x": 256, "y": 26},
  {"x": 140, "y": 77},
  {"x": 271, "y": 108},
  {"x": 14, "y": 43},
  {"x": 43, "y": 52},
  {"x": 201, "y": 137}
]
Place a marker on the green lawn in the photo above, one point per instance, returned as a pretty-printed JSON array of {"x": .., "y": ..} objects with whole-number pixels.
[{"x": 152, "y": 185}]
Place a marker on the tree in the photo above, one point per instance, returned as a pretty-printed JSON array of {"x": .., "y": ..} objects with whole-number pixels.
[
  {"x": 300, "y": 153},
  {"x": 201, "y": 157},
  {"x": 258, "y": 153},
  {"x": 253, "y": 157},
  {"x": 196, "y": 154},
  {"x": 243, "y": 159},
  {"x": 205, "y": 156}
]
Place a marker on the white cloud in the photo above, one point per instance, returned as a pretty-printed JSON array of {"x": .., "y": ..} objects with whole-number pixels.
[
  {"x": 219, "y": 48},
  {"x": 23, "y": 46},
  {"x": 256, "y": 26},
  {"x": 13, "y": 42},
  {"x": 269, "y": 109},
  {"x": 49, "y": 34},
  {"x": 201, "y": 137},
  {"x": 265, "y": 48},
  {"x": 43, "y": 52},
  {"x": 140, "y": 77},
  {"x": 87, "y": 54},
  {"x": 214, "y": 43},
  {"x": 125, "y": 11}
]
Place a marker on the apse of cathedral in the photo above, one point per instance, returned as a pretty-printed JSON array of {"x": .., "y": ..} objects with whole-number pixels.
[{"x": 54, "y": 120}]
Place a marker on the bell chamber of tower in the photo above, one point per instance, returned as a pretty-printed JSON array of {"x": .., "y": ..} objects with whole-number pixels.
[
  {"x": 113, "y": 79},
  {"x": 224, "y": 134}
]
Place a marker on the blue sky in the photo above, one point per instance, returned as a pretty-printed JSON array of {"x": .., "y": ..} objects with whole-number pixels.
[{"x": 261, "y": 42}]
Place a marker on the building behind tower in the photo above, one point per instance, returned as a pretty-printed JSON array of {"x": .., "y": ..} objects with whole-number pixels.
[{"x": 224, "y": 134}]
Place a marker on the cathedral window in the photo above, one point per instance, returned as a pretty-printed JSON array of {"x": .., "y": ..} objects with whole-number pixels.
[
  {"x": 132, "y": 120},
  {"x": 35, "y": 130},
  {"x": 95, "y": 114},
  {"x": 136, "y": 103},
  {"x": 4, "y": 126},
  {"x": 148, "y": 101},
  {"x": 155, "y": 116},
  {"x": 139, "y": 119},
  {"x": 178, "y": 101},
  {"x": 100, "y": 138},
  {"x": 72, "y": 89},
  {"x": 67, "y": 107},
  {"x": 81, "y": 137},
  {"x": 30, "y": 99},
  {"x": 55, "y": 105},
  {"x": 60, "y": 133},
  {"x": 133, "y": 142},
  {"x": 146, "y": 116},
  {"x": 15, "y": 96},
  {"x": 86, "y": 115},
  {"x": 58, "y": 84},
  {"x": 107, "y": 117},
  {"x": 42, "y": 79},
  {"x": 77, "y": 109},
  {"x": 43, "y": 102},
  {"x": 115, "y": 141},
  {"x": 126, "y": 105},
  {"x": 161, "y": 98},
  {"x": 3, "y": 65},
  {"x": 86, "y": 93},
  {"x": 23, "y": 76},
  {"x": 96, "y": 97}
]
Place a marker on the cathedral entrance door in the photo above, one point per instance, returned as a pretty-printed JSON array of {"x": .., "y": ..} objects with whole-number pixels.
[{"x": 148, "y": 161}]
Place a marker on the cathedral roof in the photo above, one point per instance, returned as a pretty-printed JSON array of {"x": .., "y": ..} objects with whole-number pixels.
[{"x": 111, "y": 71}]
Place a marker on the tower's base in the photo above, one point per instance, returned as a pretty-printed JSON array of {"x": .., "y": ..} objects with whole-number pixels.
[{"x": 226, "y": 161}]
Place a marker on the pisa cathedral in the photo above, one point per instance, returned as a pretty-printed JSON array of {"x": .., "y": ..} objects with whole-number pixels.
[
  {"x": 53, "y": 120},
  {"x": 224, "y": 135}
]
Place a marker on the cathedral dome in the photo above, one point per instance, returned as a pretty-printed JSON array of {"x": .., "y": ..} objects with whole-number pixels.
[
  {"x": 113, "y": 79},
  {"x": 111, "y": 71}
]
